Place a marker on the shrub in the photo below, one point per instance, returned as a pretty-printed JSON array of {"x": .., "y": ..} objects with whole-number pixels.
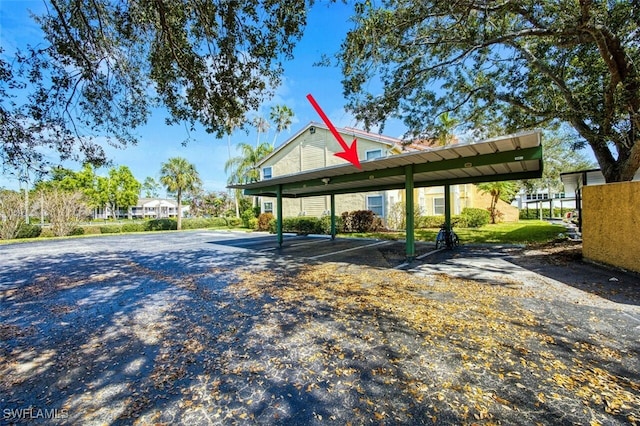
[
  {"x": 302, "y": 225},
  {"x": 533, "y": 213},
  {"x": 197, "y": 223},
  {"x": 263, "y": 221},
  {"x": 78, "y": 230},
  {"x": 360, "y": 221},
  {"x": 133, "y": 227},
  {"x": 246, "y": 216},
  {"x": 234, "y": 221},
  {"x": 110, "y": 229},
  {"x": 161, "y": 225},
  {"x": 253, "y": 223},
  {"x": 325, "y": 224},
  {"x": 430, "y": 221},
  {"x": 474, "y": 218},
  {"x": 46, "y": 232},
  {"x": 28, "y": 231},
  {"x": 91, "y": 230}
]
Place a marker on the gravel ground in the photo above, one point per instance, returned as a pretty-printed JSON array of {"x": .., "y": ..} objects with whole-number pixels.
[{"x": 183, "y": 328}]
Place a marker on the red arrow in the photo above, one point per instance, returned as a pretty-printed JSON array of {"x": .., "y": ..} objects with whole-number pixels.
[{"x": 350, "y": 153}]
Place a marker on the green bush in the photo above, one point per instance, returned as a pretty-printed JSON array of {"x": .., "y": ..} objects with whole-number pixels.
[
  {"x": 29, "y": 231},
  {"x": 430, "y": 221},
  {"x": 110, "y": 229},
  {"x": 302, "y": 225},
  {"x": 533, "y": 213},
  {"x": 246, "y": 216},
  {"x": 46, "y": 233},
  {"x": 197, "y": 223},
  {"x": 264, "y": 220},
  {"x": 325, "y": 224},
  {"x": 161, "y": 225},
  {"x": 473, "y": 218},
  {"x": 133, "y": 227},
  {"x": 91, "y": 230},
  {"x": 78, "y": 230},
  {"x": 234, "y": 221},
  {"x": 253, "y": 223}
]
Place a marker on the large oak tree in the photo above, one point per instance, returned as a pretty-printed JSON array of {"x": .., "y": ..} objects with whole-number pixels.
[
  {"x": 105, "y": 64},
  {"x": 516, "y": 63}
]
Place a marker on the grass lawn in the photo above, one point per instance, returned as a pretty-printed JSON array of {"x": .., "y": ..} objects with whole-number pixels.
[{"x": 523, "y": 232}]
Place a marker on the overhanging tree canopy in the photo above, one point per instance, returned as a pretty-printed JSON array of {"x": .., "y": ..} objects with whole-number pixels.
[
  {"x": 522, "y": 63},
  {"x": 106, "y": 63}
]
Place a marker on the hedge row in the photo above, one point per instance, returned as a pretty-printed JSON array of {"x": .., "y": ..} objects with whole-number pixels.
[
  {"x": 34, "y": 231},
  {"x": 303, "y": 225},
  {"x": 468, "y": 218},
  {"x": 533, "y": 213}
]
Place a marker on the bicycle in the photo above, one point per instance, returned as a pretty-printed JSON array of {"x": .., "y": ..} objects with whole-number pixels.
[{"x": 446, "y": 238}]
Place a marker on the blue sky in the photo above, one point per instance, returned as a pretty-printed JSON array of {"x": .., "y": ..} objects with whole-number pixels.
[{"x": 328, "y": 23}]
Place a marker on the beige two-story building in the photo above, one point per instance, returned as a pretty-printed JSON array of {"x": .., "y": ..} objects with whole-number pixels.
[{"x": 313, "y": 147}]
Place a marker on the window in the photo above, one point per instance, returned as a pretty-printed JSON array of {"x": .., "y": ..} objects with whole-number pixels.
[
  {"x": 375, "y": 204},
  {"x": 266, "y": 173},
  {"x": 267, "y": 207},
  {"x": 374, "y": 153},
  {"x": 438, "y": 206}
]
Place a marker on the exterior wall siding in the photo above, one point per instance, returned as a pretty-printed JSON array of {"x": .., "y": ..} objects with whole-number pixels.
[
  {"x": 313, "y": 151},
  {"x": 611, "y": 236}
]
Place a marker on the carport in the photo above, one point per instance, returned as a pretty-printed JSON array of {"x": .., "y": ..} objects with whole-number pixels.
[{"x": 510, "y": 157}]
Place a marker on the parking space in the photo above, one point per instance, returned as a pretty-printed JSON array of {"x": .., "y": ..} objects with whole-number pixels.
[{"x": 359, "y": 251}]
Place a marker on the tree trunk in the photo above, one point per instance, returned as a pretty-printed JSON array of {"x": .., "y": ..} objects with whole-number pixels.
[{"x": 179, "y": 212}]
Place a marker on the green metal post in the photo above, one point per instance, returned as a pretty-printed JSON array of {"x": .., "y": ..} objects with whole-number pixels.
[
  {"x": 279, "y": 218},
  {"x": 447, "y": 206},
  {"x": 333, "y": 216},
  {"x": 410, "y": 237}
]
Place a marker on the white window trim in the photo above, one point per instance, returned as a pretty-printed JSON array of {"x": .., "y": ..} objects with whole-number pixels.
[
  {"x": 264, "y": 207},
  {"x": 434, "y": 205},
  {"x": 270, "y": 168},
  {"x": 382, "y": 153},
  {"x": 381, "y": 203}
]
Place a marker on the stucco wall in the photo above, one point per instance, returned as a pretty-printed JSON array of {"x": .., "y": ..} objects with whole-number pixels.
[{"x": 611, "y": 224}]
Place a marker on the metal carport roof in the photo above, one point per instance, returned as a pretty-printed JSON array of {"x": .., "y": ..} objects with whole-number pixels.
[{"x": 511, "y": 157}]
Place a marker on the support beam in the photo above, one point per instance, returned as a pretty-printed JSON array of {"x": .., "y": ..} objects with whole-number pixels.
[
  {"x": 279, "y": 218},
  {"x": 333, "y": 216},
  {"x": 447, "y": 206},
  {"x": 410, "y": 225},
  {"x": 447, "y": 217}
]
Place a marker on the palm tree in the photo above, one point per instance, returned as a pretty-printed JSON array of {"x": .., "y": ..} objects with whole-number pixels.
[
  {"x": 444, "y": 133},
  {"x": 281, "y": 116},
  {"x": 244, "y": 168},
  {"x": 504, "y": 190},
  {"x": 261, "y": 125},
  {"x": 178, "y": 175},
  {"x": 232, "y": 124}
]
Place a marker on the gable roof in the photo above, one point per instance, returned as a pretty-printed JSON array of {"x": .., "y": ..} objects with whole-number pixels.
[{"x": 356, "y": 133}]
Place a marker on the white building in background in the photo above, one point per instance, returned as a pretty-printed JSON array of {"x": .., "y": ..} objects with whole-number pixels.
[{"x": 146, "y": 208}]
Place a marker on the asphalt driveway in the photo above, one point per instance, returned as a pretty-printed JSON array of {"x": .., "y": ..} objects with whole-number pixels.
[{"x": 208, "y": 327}]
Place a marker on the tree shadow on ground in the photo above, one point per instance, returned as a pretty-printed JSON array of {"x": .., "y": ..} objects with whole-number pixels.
[
  {"x": 207, "y": 336},
  {"x": 563, "y": 262}
]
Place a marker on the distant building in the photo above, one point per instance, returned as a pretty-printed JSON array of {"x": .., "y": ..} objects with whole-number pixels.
[{"x": 146, "y": 208}]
